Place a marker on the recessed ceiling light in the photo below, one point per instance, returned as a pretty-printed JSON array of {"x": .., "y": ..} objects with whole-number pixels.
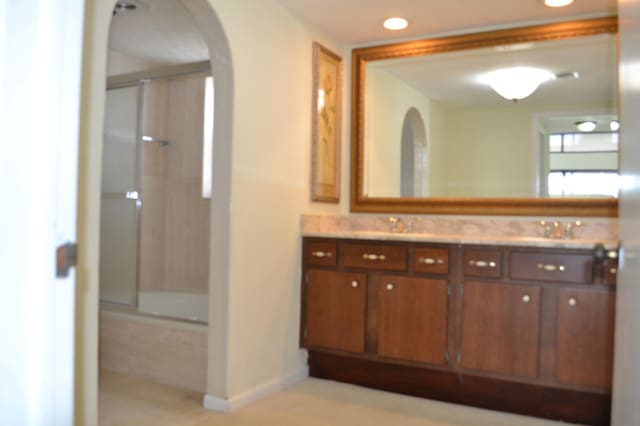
[
  {"x": 557, "y": 3},
  {"x": 614, "y": 125},
  {"x": 586, "y": 126},
  {"x": 396, "y": 23}
]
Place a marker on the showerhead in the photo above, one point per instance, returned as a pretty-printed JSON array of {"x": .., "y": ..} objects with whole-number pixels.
[{"x": 128, "y": 6}]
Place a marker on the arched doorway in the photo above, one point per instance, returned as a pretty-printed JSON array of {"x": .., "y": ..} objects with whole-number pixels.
[{"x": 413, "y": 159}]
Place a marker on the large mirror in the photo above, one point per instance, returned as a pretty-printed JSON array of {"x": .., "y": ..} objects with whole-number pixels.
[{"x": 430, "y": 135}]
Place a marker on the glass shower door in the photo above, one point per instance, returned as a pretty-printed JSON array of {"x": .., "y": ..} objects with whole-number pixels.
[{"x": 120, "y": 198}]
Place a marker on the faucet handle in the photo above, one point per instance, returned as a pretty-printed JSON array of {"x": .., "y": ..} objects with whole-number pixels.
[
  {"x": 547, "y": 228},
  {"x": 397, "y": 225},
  {"x": 569, "y": 227}
]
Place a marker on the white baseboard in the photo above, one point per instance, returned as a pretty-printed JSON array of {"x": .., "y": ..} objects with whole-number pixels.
[{"x": 234, "y": 403}]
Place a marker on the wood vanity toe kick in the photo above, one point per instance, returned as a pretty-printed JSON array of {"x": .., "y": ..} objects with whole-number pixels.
[{"x": 521, "y": 398}]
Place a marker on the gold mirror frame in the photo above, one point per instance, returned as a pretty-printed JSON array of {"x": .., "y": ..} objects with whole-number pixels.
[{"x": 465, "y": 206}]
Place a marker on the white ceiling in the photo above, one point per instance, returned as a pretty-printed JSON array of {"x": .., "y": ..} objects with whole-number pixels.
[
  {"x": 594, "y": 58},
  {"x": 360, "y": 21},
  {"x": 162, "y": 31},
  {"x": 159, "y": 31}
]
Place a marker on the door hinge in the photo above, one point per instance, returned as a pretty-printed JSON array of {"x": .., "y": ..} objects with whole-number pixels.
[
  {"x": 305, "y": 333},
  {"x": 306, "y": 278},
  {"x": 66, "y": 258},
  {"x": 447, "y": 357},
  {"x": 459, "y": 357},
  {"x": 449, "y": 290}
]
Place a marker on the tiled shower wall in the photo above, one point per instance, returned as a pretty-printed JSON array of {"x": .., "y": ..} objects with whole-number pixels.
[{"x": 174, "y": 237}]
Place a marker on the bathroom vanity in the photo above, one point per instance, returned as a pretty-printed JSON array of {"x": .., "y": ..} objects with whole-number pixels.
[{"x": 518, "y": 325}]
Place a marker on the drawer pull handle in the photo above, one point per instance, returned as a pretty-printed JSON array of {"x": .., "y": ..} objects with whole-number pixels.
[
  {"x": 371, "y": 256},
  {"x": 430, "y": 261},
  {"x": 482, "y": 264},
  {"x": 321, "y": 254},
  {"x": 389, "y": 286},
  {"x": 354, "y": 284},
  {"x": 551, "y": 268},
  {"x": 613, "y": 271},
  {"x": 526, "y": 298},
  {"x": 572, "y": 301}
]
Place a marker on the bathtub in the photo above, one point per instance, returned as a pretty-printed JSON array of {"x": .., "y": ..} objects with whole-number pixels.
[{"x": 171, "y": 352}]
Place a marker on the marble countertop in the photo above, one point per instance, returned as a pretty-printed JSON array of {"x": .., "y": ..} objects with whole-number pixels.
[{"x": 519, "y": 241}]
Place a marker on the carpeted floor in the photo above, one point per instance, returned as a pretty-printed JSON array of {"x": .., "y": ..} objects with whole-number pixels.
[{"x": 128, "y": 401}]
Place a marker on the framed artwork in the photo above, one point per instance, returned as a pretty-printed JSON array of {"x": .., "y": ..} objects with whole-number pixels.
[{"x": 325, "y": 129}]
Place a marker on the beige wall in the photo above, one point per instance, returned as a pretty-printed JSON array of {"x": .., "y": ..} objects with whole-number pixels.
[
  {"x": 495, "y": 151},
  {"x": 387, "y": 100},
  {"x": 271, "y": 53}
]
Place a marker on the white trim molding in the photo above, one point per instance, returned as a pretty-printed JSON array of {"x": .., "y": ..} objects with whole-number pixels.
[{"x": 235, "y": 403}]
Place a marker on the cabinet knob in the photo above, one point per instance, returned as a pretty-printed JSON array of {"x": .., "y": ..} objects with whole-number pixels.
[
  {"x": 371, "y": 256},
  {"x": 613, "y": 271},
  {"x": 354, "y": 284},
  {"x": 430, "y": 261},
  {"x": 321, "y": 254},
  {"x": 551, "y": 268},
  {"x": 526, "y": 298},
  {"x": 389, "y": 286},
  {"x": 482, "y": 264},
  {"x": 572, "y": 301}
]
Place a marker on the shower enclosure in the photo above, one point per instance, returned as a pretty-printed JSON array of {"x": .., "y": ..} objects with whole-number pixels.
[{"x": 155, "y": 210}]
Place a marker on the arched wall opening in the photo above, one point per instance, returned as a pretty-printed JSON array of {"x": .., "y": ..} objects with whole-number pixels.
[{"x": 98, "y": 18}]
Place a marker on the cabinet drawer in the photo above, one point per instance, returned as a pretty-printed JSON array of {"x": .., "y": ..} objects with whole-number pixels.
[
  {"x": 482, "y": 263},
  {"x": 323, "y": 253},
  {"x": 374, "y": 256},
  {"x": 558, "y": 267},
  {"x": 431, "y": 260}
]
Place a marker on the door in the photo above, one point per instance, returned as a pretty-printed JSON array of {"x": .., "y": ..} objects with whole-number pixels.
[
  {"x": 335, "y": 310},
  {"x": 413, "y": 319},
  {"x": 626, "y": 382},
  {"x": 40, "y": 74},
  {"x": 500, "y": 328},
  {"x": 584, "y": 350},
  {"x": 120, "y": 197}
]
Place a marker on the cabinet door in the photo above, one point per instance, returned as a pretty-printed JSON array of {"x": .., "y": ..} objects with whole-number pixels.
[
  {"x": 500, "y": 328},
  {"x": 584, "y": 352},
  {"x": 335, "y": 310},
  {"x": 413, "y": 319}
]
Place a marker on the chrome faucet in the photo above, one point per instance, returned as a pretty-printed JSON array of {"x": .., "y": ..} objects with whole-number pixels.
[
  {"x": 397, "y": 224},
  {"x": 556, "y": 230}
]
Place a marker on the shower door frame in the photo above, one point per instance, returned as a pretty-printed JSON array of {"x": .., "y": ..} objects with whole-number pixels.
[{"x": 141, "y": 80}]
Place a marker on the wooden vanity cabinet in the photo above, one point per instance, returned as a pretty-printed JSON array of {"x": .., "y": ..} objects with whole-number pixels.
[
  {"x": 500, "y": 328},
  {"x": 412, "y": 316},
  {"x": 519, "y": 329},
  {"x": 585, "y": 337},
  {"x": 335, "y": 310}
]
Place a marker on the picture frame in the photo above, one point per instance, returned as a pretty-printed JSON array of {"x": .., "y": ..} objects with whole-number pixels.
[{"x": 326, "y": 128}]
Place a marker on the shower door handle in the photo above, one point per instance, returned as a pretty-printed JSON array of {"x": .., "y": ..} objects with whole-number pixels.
[{"x": 66, "y": 258}]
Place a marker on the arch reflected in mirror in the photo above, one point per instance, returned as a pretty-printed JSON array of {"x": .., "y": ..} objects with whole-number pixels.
[{"x": 413, "y": 158}]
